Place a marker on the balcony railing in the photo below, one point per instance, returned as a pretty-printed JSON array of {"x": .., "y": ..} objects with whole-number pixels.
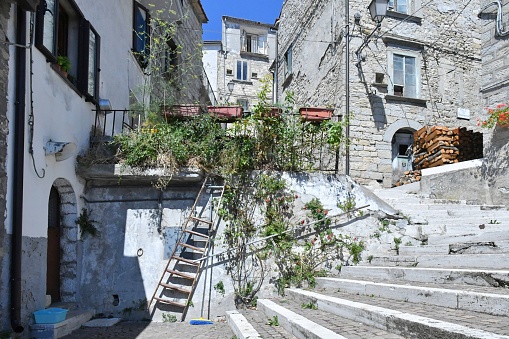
[{"x": 109, "y": 123}]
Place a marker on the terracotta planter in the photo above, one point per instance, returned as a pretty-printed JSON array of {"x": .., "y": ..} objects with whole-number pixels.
[
  {"x": 503, "y": 125},
  {"x": 181, "y": 111},
  {"x": 316, "y": 114},
  {"x": 226, "y": 113}
]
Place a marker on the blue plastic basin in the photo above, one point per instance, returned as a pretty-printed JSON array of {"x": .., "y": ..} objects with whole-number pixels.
[{"x": 50, "y": 315}]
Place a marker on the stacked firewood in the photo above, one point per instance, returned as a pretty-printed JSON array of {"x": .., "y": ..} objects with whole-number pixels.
[
  {"x": 438, "y": 145},
  {"x": 409, "y": 177}
]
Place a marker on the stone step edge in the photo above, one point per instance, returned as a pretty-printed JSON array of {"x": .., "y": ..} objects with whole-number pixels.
[
  {"x": 294, "y": 323},
  {"x": 240, "y": 326},
  {"x": 490, "y": 303},
  {"x": 428, "y": 269},
  {"x": 390, "y": 320}
]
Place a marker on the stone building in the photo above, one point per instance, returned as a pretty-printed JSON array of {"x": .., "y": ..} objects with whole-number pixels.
[
  {"x": 78, "y": 76},
  {"x": 421, "y": 67},
  {"x": 248, "y": 50},
  {"x": 495, "y": 47}
]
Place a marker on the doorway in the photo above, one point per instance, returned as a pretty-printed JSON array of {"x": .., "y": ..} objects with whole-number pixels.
[
  {"x": 401, "y": 153},
  {"x": 54, "y": 248}
]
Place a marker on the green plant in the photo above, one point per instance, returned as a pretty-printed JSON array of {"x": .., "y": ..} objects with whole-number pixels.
[
  {"x": 409, "y": 243},
  {"x": 498, "y": 115},
  {"x": 219, "y": 287},
  {"x": 87, "y": 224},
  {"x": 397, "y": 243},
  {"x": 493, "y": 222},
  {"x": 5, "y": 334},
  {"x": 189, "y": 303},
  {"x": 274, "y": 321},
  {"x": 64, "y": 63},
  {"x": 169, "y": 318},
  {"x": 370, "y": 258},
  {"x": 310, "y": 305},
  {"x": 348, "y": 205}
]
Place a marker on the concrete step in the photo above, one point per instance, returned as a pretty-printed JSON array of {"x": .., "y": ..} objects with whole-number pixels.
[
  {"x": 424, "y": 249},
  {"x": 345, "y": 327},
  {"x": 469, "y": 277},
  {"x": 74, "y": 319},
  {"x": 410, "y": 320},
  {"x": 466, "y": 261},
  {"x": 473, "y": 237},
  {"x": 294, "y": 323},
  {"x": 253, "y": 324},
  {"x": 475, "y": 227},
  {"x": 453, "y": 297}
]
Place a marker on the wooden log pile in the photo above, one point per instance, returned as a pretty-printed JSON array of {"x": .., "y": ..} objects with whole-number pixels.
[
  {"x": 409, "y": 177},
  {"x": 438, "y": 145}
]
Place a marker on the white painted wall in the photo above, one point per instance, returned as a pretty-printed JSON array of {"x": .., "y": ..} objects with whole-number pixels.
[
  {"x": 61, "y": 114},
  {"x": 210, "y": 60}
]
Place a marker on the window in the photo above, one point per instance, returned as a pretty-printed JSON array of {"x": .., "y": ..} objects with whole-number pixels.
[
  {"x": 62, "y": 31},
  {"x": 288, "y": 62},
  {"x": 242, "y": 70},
  {"x": 141, "y": 33},
  {"x": 170, "y": 58},
  {"x": 244, "y": 103},
  {"x": 254, "y": 43},
  {"x": 405, "y": 76},
  {"x": 400, "y": 6}
]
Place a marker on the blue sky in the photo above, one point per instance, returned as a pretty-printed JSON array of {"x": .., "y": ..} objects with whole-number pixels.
[{"x": 266, "y": 11}]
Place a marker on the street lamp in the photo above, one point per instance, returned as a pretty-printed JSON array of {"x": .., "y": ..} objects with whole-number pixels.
[
  {"x": 378, "y": 10},
  {"x": 230, "y": 85}
]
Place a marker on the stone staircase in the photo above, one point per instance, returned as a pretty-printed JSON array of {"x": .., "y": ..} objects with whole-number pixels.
[{"x": 454, "y": 284}]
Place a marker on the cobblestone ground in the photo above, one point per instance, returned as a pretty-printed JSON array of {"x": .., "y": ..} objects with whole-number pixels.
[
  {"x": 153, "y": 330},
  {"x": 261, "y": 324}
]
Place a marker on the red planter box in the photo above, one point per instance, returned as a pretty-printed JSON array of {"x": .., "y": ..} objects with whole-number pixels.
[
  {"x": 226, "y": 113},
  {"x": 316, "y": 113},
  {"x": 181, "y": 111}
]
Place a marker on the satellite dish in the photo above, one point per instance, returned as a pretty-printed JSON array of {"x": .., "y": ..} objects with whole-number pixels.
[{"x": 61, "y": 150}]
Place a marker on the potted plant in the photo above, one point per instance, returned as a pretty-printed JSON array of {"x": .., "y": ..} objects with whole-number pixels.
[
  {"x": 226, "y": 113},
  {"x": 498, "y": 116},
  {"x": 316, "y": 114},
  {"x": 64, "y": 64}
]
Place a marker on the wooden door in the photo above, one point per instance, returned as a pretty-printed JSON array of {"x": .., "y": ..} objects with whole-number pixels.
[{"x": 54, "y": 250}]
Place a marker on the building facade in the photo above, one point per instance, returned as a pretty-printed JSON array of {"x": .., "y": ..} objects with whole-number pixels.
[
  {"x": 248, "y": 51},
  {"x": 87, "y": 60},
  {"x": 421, "y": 67}
]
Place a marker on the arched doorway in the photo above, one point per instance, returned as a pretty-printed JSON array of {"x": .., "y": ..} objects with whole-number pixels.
[
  {"x": 400, "y": 136},
  {"x": 54, "y": 249},
  {"x": 62, "y": 269}
]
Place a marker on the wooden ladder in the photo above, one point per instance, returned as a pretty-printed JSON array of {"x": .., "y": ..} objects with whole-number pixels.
[{"x": 183, "y": 263}]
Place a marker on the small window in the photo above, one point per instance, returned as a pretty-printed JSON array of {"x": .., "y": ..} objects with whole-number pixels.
[
  {"x": 171, "y": 58},
  {"x": 254, "y": 43},
  {"x": 141, "y": 34},
  {"x": 242, "y": 69},
  {"x": 288, "y": 62},
  {"x": 405, "y": 76},
  {"x": 254, "y": 75},
  {"x": 229, "y": 72},
  {"x": 379, "y": 78},
  {"x": 400, "y": 6}
]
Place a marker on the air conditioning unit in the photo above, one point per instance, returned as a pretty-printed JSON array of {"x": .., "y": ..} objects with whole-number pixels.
[{"x": 28, "y": 5}]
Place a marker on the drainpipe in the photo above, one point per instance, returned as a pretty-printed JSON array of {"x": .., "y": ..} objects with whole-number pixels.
[
  {"x": 347, "y": 86},
  {"x": 17, "y": 174}
]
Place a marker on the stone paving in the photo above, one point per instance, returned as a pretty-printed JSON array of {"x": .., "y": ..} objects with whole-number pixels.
[
  {"x": 482, "y": 321},
  {"x": 153, "y": 330},
  {"x": 261, "y": 324},
  {"x": 345, "y": 327}
]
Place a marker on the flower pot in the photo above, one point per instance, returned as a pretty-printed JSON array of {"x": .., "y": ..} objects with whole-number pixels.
[
  {"x": 316, "y": 114},
  {"x": 226, "y": 113},
  {"x": 274, "y": 112},
  {"x": 503, "y": 124},
  {"x": 181, "y": 111}
]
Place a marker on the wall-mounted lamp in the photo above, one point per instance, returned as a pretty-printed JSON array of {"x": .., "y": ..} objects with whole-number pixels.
[
  {"x": 61, "y": 150},
  {"x": 230, "y": 85},
  {"x": 104, "y": 104},
  {"x": 378, "y": 11}
]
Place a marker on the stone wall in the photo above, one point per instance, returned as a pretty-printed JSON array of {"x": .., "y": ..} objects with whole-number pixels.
[
  {"x": 495, "y": 66},
  {"x": 444, "y": 39},
  {"x": 4, "y": 240}
]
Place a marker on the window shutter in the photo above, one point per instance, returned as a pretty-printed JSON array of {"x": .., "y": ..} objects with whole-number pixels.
[{"x": 88, "y": 62}]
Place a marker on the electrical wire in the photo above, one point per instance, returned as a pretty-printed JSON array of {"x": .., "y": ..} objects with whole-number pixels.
[{"x": 31, "y": 120}]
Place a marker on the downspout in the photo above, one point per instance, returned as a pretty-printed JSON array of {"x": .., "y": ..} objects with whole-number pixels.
[{"x": 17, "y": 173}]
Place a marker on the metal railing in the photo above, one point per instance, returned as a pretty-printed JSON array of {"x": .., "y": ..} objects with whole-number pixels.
[
  {"x": 108, "y": 123},
  {"x": 208, "y": 87}
]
